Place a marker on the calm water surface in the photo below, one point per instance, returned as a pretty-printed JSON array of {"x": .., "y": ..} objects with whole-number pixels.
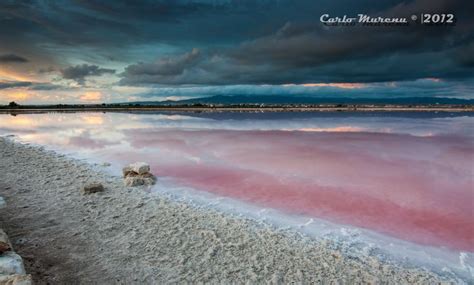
[{"x": 405, "y": 175}]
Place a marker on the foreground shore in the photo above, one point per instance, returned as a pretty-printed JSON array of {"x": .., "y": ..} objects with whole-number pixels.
[{"x": 127, "y": 236}]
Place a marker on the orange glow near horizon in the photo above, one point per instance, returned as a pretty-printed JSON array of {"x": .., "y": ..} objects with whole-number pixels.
[
  {"x": 13, "y": 76},
  {"x": 337, "y": 85},
  {"x": 335, "y": 129},
  {"x": 434, "y": 79},
  {"x": 92, "y": 96},
  {"x": 17, "y": 96}
]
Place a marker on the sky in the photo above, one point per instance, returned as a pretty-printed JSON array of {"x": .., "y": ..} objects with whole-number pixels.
[{"x": 117, "y": 51}]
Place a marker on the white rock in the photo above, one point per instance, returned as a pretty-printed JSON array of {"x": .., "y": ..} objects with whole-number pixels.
[
  {"x": 11, "y": 263},
  {"x": 140, "y": 180},
  {"x": 127, "y": 170},
  {"x": 140, "y": 167}
]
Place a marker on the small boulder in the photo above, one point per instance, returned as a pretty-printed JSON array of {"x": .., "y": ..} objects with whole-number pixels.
[
  {"x": 92, "y": 188},
  {"x": 140, "y": 167},
  {"x": 11, "y": 263}
]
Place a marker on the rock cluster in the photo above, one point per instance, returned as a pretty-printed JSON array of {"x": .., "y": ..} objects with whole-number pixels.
[
  {"x": 12, "y": 270},
  {"x": 138, "y": 174}
]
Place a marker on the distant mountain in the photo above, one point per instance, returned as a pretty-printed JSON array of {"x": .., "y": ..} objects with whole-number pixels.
[{"x": 281, "y": 99}]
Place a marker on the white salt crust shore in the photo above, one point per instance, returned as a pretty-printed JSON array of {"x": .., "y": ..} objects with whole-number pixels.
[{"x": 127, "y": 236}]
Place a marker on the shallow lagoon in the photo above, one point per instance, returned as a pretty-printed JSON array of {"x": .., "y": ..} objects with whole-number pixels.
[{"x": 407, "y": 176}]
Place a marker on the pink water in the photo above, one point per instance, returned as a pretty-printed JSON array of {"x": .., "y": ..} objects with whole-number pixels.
[{"x": 406, "y": 177}]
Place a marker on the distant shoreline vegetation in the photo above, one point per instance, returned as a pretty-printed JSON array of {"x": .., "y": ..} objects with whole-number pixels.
[
  {"x": 267, "y": 102},
  {"x": 236, "y": 107}
]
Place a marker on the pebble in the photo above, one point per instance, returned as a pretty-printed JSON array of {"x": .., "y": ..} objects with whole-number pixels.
[{"x": 93, "y": 188}]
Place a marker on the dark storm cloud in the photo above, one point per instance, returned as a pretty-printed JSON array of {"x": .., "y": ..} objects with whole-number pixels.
[
  {"x": 42, "y": 86},
  {"x": 41, "y": 25},
  {"x": 302, "y": 52},
  {"x": 48, "y": 69},
  {"x": 240, "y": 42},
  {"x": 465, "y": 55},
  {"x": 47, "y": 87},
  {"x": 112, "y": 24},
  {"x": 313, "y": 44},
  {"x": 78, "y": 73},
  {"x": 12, "y": 58},
  {"x": 168, "y": 66},
  {"x": 13, "y": 84},
  {"x": 225, "y": 69}
]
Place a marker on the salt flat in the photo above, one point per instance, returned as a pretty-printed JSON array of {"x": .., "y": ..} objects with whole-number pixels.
[{"x": 128, "y": 236}]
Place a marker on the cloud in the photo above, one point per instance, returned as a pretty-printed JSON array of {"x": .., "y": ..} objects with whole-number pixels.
[
  {"x": 48, "y": 86},
  {"x": 465, "y": 55},
  {"x": 192, "y": 68},
  {"x": 48, "y": 69},
  {"x": 31, "y": 85},
  {"x": 338, "y": 85},
  {"x": 167, "y": 66},
  {"x": 304, "y": 50},
  {"x": 12, "y": 58},
  {"x": 310, "y": 52},
  {"x": 171, "y": 44},
  {"x": 227, "y": 69},
  {"x": 428, "y": 87},
  {"x": 111, "y": 30},
  {"x": 14, "y": 84},
  {"x": 79, "y": 73}
]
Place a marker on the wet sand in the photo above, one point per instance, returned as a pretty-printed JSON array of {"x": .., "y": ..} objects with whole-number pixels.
[{"x": 128, "y": 236}]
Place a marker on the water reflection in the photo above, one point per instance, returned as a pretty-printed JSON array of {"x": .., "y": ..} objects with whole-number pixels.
[{"x": 407, "y": 176}]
